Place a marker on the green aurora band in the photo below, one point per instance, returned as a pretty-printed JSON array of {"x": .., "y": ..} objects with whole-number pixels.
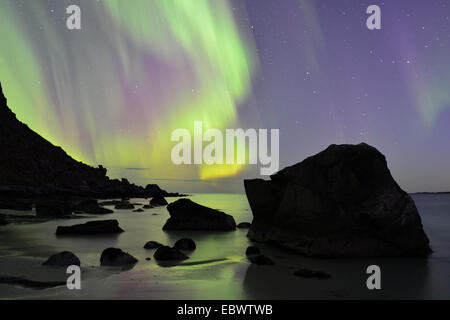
[{"x": 112, "y": 92}]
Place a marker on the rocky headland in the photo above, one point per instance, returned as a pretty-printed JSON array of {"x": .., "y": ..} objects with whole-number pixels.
[{"x": 32, "y": 168}]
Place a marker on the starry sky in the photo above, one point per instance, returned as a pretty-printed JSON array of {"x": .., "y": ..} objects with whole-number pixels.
[{"x": 113, "y": 92}]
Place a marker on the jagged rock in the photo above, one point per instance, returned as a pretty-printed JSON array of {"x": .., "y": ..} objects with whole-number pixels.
[
  {"x": 252, "y": 250},
  {"x": 261, "y": 260},
  {"x": 91, "y": 206},
  {"x": 116, "y": 257},
  {"x": 53, "y": 209},
  {"x": 152, "y": 245},
  {"x": 166, "y": 253},
  {"x": 62, "y": 259},
  {"x": 158, "y": 201},
  {"x": 244, "y": 225},
  {"x": 91, "y": 227},
  {"x": 188, "y": 215},
  {"x": 305, "y": 273},
  {"x": 185, "y": 244},
  {"x": 342, "y": 202}
]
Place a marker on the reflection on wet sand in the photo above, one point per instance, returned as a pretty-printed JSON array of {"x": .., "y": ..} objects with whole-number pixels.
[{"x": 401, "y": 278}]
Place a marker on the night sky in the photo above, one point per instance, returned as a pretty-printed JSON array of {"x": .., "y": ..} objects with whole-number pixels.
[{"x": 112, "y": 92}]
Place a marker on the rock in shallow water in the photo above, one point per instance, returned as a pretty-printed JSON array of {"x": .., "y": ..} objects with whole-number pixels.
[
  {"x": 188, "y": 215},
  {"x": 165, "y": 253},
  {"x": 91, "y": 227},
  {"x": 244, "y": 225},
  {"x": 116, "y": 257},
  {"x": 91, "y": 206},
  {"x": 152, "y": 245},
  {"x": 342, "y": 202},
  {"x": 158, "y": 201},
  {"x": 185, "y": 244},
  {"x": 124, "y": 205},
  {"x": 62, "y": 259}
]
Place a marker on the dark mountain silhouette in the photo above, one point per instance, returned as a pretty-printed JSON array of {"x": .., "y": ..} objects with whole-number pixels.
[{"x": 32, "y": 166}]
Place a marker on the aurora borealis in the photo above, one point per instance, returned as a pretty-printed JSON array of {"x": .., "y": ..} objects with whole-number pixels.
[{"x": 112, "y": 92}]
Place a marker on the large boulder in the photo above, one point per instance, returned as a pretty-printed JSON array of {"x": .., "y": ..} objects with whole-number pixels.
[
  {"x": 342, "y": 202},
  {"x": 116, "y": 257},
  {"x": 188, "y": 215},
  {"x": 91, "y": 227},
  {"x": 91, "y": 206},
  {"x": 62, "y": 259}
]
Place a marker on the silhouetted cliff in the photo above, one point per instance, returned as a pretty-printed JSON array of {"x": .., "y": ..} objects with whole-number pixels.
[{"x": 30, "y": 165}]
